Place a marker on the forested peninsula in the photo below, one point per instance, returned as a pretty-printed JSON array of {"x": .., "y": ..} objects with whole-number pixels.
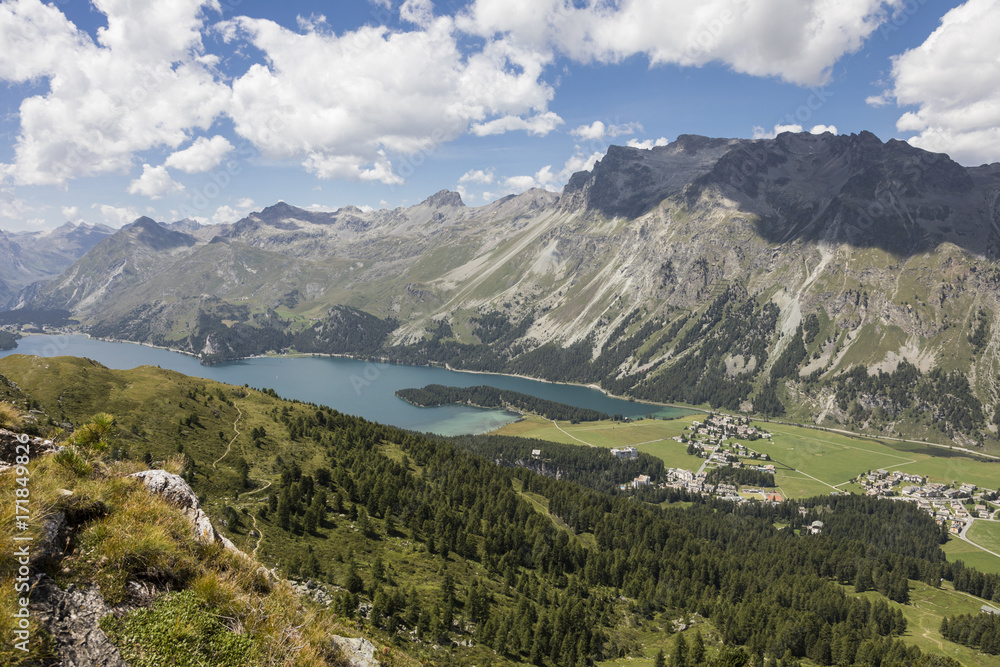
[{"x": 482, "y": 396}]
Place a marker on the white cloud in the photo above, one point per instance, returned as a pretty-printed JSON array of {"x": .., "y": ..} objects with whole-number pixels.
[
  {"x": 419, "y": 12},
  {"x": 477, "y": 176},
  {"x": 343, "y": 104},
  {"x": 12, "y": 207},
  {"x": 71, "y": 213},
  {"x": 539, "y": 125},
  {"x": 820, "y": 129},
  {"x": 226, "y": 214},
  {"x": 882, "y": 99},
  {"x": 143, "y": 84},
  {"x": 595, "y": 130},
  {"x": 548, "y": 179},
  {"x": 203, "y": 155},
  {"x": 598, "y": 131},
  {"x": 952, "y": 80},
  {"x": 118, "y": 216},
  {"x": 648, "y": 143},
  {"x": 795, "y": 41},
  {"x": 154, "y": 183},
  {"x": 760, "y": 133}
]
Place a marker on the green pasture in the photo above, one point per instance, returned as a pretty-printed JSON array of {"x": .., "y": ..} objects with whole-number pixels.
[{"x": 809, "y": 461}]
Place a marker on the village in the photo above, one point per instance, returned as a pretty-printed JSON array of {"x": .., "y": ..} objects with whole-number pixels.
[
  {"x": 953, "y": 505},
  {"x": 714, "y": 440}
]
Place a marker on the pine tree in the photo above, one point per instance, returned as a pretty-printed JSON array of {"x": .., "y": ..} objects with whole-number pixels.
[
  {"x": 679, "y": 656},
  {"x": 284, "y": 513},
  {"x": 697, "y": 652},
  {"x": 353, "y": 582}
]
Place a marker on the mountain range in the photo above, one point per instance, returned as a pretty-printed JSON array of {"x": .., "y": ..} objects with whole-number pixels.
[
  {"x": 27, "y": 257},
  {"x": 837, "y": 279}
]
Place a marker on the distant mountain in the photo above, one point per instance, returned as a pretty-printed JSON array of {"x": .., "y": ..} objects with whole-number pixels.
[
  {"x": 741, "y": 274},
  {"x": 27, "y": 257}
]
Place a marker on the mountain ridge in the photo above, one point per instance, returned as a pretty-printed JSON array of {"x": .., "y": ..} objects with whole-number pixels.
[{"x": 694, "y": 264}]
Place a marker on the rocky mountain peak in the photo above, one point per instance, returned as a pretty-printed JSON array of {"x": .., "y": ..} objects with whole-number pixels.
[
  {"x": 444, "y": 198},
  {"x": 629, "y": 181},
  {"x": 150, "y": 233}
]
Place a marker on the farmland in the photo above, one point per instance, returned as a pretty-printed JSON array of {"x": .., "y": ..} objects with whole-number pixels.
[{"x": 808, "y": 461}]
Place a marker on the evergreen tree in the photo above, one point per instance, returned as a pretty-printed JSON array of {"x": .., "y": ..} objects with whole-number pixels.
[
  {"x": 679, "y": 655},
  {"x": 696, "y": 654}
]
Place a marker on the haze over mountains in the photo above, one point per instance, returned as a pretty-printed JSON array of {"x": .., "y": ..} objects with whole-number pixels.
[
  {"x": 721, "y": 271},
  {"x": 26, "y": 257}
]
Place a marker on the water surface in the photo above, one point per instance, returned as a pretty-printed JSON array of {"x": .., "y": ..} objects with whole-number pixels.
[{"x": 354, "y": 387}]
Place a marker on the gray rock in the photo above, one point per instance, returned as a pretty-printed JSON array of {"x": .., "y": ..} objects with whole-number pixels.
[
  {"x": 72, "y": 618},
  {"x": 176, "y": 491},
  {"x": 10, "y": 441},
  {"x": 358, "y": 652}
]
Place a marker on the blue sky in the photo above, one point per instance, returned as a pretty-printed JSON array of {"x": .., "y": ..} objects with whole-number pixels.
[{"x": 214, "y": 108}]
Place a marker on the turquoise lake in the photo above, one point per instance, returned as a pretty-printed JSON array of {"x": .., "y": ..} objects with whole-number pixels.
[{"x": 354, "y": 387}]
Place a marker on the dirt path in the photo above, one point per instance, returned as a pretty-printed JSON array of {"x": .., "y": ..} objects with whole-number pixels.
[
  {"x": 570, "y": 434},
  {"x": 260, "y": 535},
  {"x": 230, "y": 445},
  {"x": 250, "y": 493},
  {"x": 936, "y": 641}
]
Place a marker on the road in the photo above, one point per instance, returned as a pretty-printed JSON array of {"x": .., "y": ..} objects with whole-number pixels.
[{"x": 962, "y": 535}]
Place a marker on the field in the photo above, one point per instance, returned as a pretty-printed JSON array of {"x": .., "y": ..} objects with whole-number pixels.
[
  {"x": 923, "y": 619},
  {"x": 652, "y": 436},
  {"x": 809, "y": 461},
  {"x": 986, "y": 534},
  {"x": 971, "y": 555}
]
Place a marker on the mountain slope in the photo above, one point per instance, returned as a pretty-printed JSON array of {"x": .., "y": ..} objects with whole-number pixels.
[
  {"x": 680, "y": 273},
  {"x": 28, "y": 257}
]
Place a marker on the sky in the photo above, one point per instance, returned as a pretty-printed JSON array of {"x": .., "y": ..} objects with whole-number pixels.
[{"x": 212, "y": 109}]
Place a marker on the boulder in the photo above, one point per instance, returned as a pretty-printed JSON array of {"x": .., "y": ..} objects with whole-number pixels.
[
  {"x": 177, "y": 492},
  {"x": 358, "y": 652},
  {"x": 73, "y": 617}
]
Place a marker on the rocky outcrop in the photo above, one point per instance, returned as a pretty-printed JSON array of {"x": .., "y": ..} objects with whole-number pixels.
[
  {"x": 10, "y": 443},
  {"x": 359, "y": 652},
  {"x": 176, "y": 491},
  {"x": 72, "y": 617}
]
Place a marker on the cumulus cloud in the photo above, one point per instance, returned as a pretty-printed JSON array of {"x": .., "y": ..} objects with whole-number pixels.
[
  {"x": 820, "y": 129},
  {"x": 144, "y": 83},
  {"x": 154, "y": 183},
  {"x": 760, "y": 133},
  {"x": 344, "y": 104},
  {"x": 12, "y": 207},
  {"x": 362, "y": 103},
  {"x": 951, "y": 79},
  {"x": 71, "y": 213},
  {"x": 419, "y": 12},
  {"x": 598, "y": 131},
  {"x": 226, "y": 214},
  {"x": 546, "y": 177},
  {"x": 477, "y": 176},
  {"x": 796, "y": 41},
  {"x": 203, "y": 155},
  {"x": 648, "y": 143},
  {"x": 117, "y": 216},
  {"x": 539, "y": 125}
]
